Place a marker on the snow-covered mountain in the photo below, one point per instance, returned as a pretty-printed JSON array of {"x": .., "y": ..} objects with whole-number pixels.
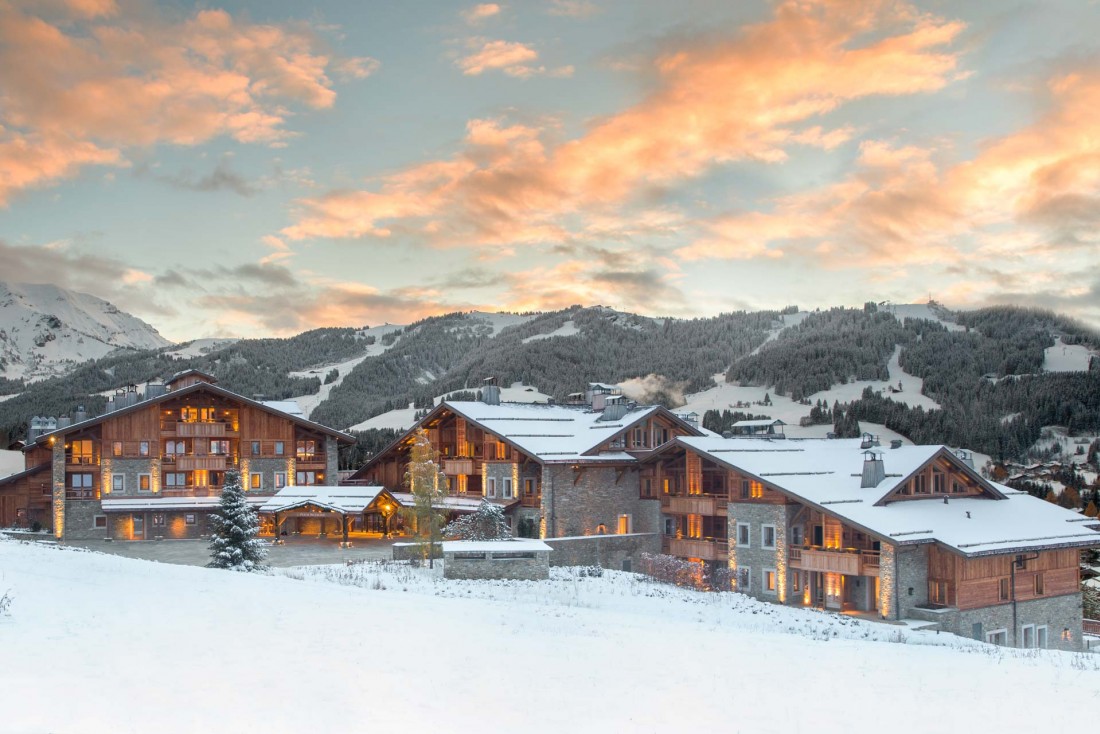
[{"x": 46, "y": 330}]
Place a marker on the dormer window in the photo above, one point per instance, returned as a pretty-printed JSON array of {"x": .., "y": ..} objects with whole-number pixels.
[
  {"x": 920, "y": 484},
  {"x": 939, "y": 481}
]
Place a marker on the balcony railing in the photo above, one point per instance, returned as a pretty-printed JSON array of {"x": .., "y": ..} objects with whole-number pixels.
[
  {"x": 209, "y": 463},
  {"x": 707, "y": 549},
  {"x": 454, "y": 467},
  {"x": 198, "y": 430},
  {"x": 850, "y": 561},
  {"x": 81, "y": 459},
  {"x": 697, "y": 504}
]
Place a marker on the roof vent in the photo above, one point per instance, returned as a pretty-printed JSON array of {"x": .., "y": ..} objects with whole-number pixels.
[
  {"x": 490, "y": 395},
  {"x": 896, "y": 443},
  {"x": 615, "y": 408},
  {"x": 869, "y": 441},
  {"x": 965, "y": 457},
  {"x": 874, "y": 470}
]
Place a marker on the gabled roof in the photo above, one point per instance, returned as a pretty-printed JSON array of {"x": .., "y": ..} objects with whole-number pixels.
[
  {"x": 344, "y": 500},
  {"x": 190, "y": 389},
  {"x": 25, "y": 473},
  {"x": 826, "y": 474},
  {"x": 192, "y": 371},
  {"x": 761, "y": 422}
]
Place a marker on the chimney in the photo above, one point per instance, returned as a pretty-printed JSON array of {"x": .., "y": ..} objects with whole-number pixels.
[
  {"x": 80, "y": 414},
  {"x": 615, "y": 408},
  {"x": 965, "y": 457},
  {"x": 490, "y": 392},
  {"x": 896, "y": 443},
  {"x": 874, "y": 470},
  {"x": 155, "y": 389},
  {"x": 64, "y": 422},
  {"x": 869, "y": 441}
]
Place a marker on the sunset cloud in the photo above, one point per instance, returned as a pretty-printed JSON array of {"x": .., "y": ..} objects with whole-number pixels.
[
  {"x": 714, "y": 103},
  {"x": 480, "y": 12},
  {"x": 510, "y": 57},
  {"x": 107, "y": 82}
]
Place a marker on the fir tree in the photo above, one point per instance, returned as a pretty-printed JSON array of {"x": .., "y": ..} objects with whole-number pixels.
[
  {"x": 428, "y": 486},
  {"x": 486, "y": 523},
  {"x": 235, "y": 545}
]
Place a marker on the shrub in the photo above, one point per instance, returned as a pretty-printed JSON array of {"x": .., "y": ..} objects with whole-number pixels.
[{"x": 5, "y": 603}]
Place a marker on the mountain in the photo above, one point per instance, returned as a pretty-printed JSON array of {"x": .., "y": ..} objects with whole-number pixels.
[
  {"x": 990, "y": 380},
  {"x": 46, "y": 330}
]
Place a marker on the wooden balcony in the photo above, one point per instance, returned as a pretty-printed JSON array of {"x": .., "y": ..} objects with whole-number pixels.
[
  {"x": 209, "y": 463},
  {"x": 697, "y": 504},
  {"x": 454, "y": 467},
  {"x": 200, "y": 430},
  {"x": 850, "y": 561},
  {"x": 707, "y": 550}
]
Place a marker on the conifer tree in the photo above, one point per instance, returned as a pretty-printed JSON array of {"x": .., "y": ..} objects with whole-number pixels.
[
  {"x": 428, "y": 485},
  {"x": 486, "y": 523},
  {"x": 235, "y": 545},
  {"x": 1091, "y": 510}
]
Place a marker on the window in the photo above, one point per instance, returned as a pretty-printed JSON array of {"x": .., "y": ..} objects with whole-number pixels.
[
  {"x": 507, "y": 488},
  {"x": 938, "y": 592},
  {"x": 695, "y": 526},
  {"x": 1004, "y": 589},
  {"x": 80, "y": 481},
  {"x": 744, "y": 489},
  {"x": 145, "y": 482},
  {"x": 118, "y": 482},
  {"x": 647, "y": 487},
  {"x": 1042, "y": 638},
  {"x": 306, "y": 449},
  {"x": 921, "y": 483},
  {"x": 751, "y": 490},
  {"x": 280, "y": 448},
  {"x": 219, "y": 447},
  {"x": 796, "y": 535},
  {"x": 767, "y": 537},
  {"x": 1027, "y": 635},
  {"x": 769, "y": 581},
  {"x": 743, "y": 534},
  {"x": 255, "y": 480},
  {"x": 81, "y": 452},
  {"x": 189, "y": 518},
  {"x": 143, "y": 448},
  {"x": 619, "y": 442},
  {"x": 116, "y": 448},
  {"x": 100, "y": 522},
  {"x": 796, "y": 582},
  {"x": 939, "y": 481},
  {"x": 670, "y": 528},
  {"x": 666, "y": 485},
  {"x": 958, "y": 487},
  {"x": 1038, "y": 584},
  {"x": 624, "y": 524},
  {"x": 997, "y": 637},
  {"x": 176, "y": 480},
  {"x": 307, "y": 478},
  {"x": 492, "y": 487},
  {"x": 529, "y": 487},
  {"x": 744, "y": 580},
  {"x": 255, "y": 448},
  {"x": 158, "y": 519},
  {"x": 906, "y": 488},
  {"x": 280, "y": 479}
]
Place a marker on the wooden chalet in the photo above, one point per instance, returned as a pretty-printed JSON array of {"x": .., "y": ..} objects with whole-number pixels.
[{"x": 154, "y": 464}]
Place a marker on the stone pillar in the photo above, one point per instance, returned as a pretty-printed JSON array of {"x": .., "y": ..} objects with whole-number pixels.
[
  {"x": 332, "y": 462},
  {"x": 58, "y": 466}
]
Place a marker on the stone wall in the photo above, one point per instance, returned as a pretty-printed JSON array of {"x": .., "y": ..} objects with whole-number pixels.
[
  {"x": 58, "y": 469},
  {"x": 411, "y": 551},
  {"x": 608, "y": 551},
  {"x": 80, "y": 520},
  {"x": 755, "y": 557},
  {"x": 121, "y": 525},
  {"x": 577, "y": 505},
  {"x": 499, "y": 471},
  {"x": 332, "y": 461},
  {"x": 1061, "y": 615},
  {"x": 911, "y": 578},
  {"x": 527, "y": 569},
  {"x": 131, "y": 470},
  {"x": 266, "y": 468}
]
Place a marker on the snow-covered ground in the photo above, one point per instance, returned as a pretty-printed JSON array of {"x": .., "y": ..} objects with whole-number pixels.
[
  {"x": 925, "y": 311},
  {"x": 199, "y": 347},
  {"x": 11, "y": 462},
  {"x": 500, "y": 321},
  {"x": 403, "y": 418},
  {"x": 569, "y": 328},
  {"x": 98, "y": 643},
  {"x": 1066, "y": 357}
]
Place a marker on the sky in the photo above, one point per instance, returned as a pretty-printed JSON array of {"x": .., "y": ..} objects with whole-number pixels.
[{"x": 267, "y": 167}]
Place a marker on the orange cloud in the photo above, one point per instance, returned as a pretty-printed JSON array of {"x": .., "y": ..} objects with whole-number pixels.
[
  {"x": 510, "y": 57},
  {"x": 480, "y": 12},
  {"x": 747, "y": 98},
  {"x": 108, "y": 81}
]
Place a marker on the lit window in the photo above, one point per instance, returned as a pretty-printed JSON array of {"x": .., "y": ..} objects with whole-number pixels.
[
  {"x": 145, "y": 482},
  {"x": 280, "y": 479},
  {"x": 256, "y": 480},
  {"x": 158, "y": 520},
  {"x": 529, "y": 487},
  {"x": 116, "y": 448},
  {"x": 769, "y": 581},
  {"x": 624, "y": 524}
]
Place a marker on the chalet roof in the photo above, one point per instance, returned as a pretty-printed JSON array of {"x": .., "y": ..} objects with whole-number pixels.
[
  {"x": 25, "y": 473},
  {"x": 759, "y": 422},
  {"x": 452, "y": 502},
  {"x": 210, "y": 379},
  {"x": 169, "y": 503},
  {"x": 344, "y": 500},
  {"x": 185, "y": 391},
  {"x": 290, "y": 407},
  {"x": 827, "y": 474},
  {"x": 551, "y": 433}
]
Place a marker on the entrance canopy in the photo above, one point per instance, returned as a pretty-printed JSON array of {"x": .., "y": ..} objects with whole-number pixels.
[{"x": 342, "y": 500}]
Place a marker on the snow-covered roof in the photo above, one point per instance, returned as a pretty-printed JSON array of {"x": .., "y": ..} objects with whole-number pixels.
[
  {"x": 759, "y": 423},
  {"x": 350, "y": 499},
  {"x": 451, "y": 502},
  {"x": 491, "y": 546},
  {"x": 551, "y": 433},
  {"x": 169, "y": 503},
  {"x": 290, "y": 407},
  {"x": 828, "y": 473}
]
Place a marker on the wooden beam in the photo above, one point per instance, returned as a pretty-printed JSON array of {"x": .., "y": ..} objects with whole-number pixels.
[{"x": 577, "y": 474}]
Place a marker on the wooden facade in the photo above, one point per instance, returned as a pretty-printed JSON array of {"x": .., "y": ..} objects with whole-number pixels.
[{"x": 972, "y": 583}]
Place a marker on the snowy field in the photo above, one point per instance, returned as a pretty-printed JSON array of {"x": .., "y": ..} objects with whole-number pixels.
[
  {"x": 11, "y": 462},
  {"x": 404, "y": 418},
  {"x": 1066, "y": 357},
  {"x": 96, "y": 643}
]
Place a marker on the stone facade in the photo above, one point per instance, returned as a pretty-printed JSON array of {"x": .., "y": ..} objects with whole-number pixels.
[
  {"x": 910, "y": 579},
  {"x": 617, "y": 552},
  {"x": 488, "y": 567},
  {"x": 267, "y": 468},
  {"x": 80, "y": 520},
  {"x": 498, "y": 471},
  {"x": 131, "y": 471},
  {"x": 578, "y": 505},
  {"x": 58, "y": 469},
  {"x": 175, "y": 526},
  {"x": 755, "y": 557},
  {"x": 332, "y": 461},
  {"x": 1061, "y": 615}
]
